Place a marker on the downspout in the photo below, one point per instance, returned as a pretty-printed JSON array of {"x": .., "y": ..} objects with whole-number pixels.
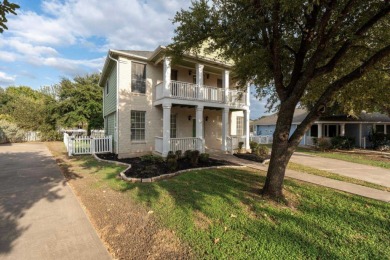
[{"x": 117, "y": 101}]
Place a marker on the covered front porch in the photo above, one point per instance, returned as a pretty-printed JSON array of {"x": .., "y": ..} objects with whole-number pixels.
[
  {"x": 198, "y": 127},
  {"x": 360, "y": 131}
]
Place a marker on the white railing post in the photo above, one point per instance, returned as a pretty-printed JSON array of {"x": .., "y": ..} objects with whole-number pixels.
[
  {"x": 70, "y": 146},
  {"x": 92, "y": 144}
]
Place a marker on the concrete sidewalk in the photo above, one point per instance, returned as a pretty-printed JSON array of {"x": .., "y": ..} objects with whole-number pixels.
[
  {"x": 326, "y": 182},
  {"x": 362, "y": 172},
  {"x": 40, "y": 217}
]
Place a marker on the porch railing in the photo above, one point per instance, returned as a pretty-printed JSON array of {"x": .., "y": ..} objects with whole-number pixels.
[
  {"x": 232, "y": 142},
  {"x": 190, "y": 91},
  {"x": 189, "y": 143},
  {"x": 76, "y": 145},
  {"x": 183, "y": 144},
  {"x": 262, "y": 139}
]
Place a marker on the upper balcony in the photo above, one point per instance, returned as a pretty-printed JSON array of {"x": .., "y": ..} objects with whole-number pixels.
[{"x": 200, "y": 93}]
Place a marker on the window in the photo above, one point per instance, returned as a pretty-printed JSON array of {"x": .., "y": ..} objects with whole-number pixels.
[
  {"x": 330, "y": 131},
  {"x": 388, "y": 129},
  {"x": 314, "y": 131},
  {"x": 138, "y": 125},
  {"x": 240, "y": 126},
  {"x": 138, "y": 77},
  {"x": 219, "y": 83},
  {"x": 173, "y": 126},
  {"x": 107, "y": 87},
  {"x": 380, "y": 129},
  {"x": 174, "y": 75}
]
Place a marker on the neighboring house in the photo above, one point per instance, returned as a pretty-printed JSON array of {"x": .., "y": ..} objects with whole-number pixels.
[
  {"x": 153, "y": 105},
  {"x": 330, "y": 126}
]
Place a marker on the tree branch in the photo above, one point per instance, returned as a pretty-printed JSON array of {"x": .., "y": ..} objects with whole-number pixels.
[
  {"x": 329, "y": 67},
  {"x": 316, "y": 112}
]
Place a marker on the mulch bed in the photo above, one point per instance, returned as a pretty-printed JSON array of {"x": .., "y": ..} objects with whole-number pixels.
[
  {"x": 251, "y": 157},
  {"x": 140, "y": 169}
]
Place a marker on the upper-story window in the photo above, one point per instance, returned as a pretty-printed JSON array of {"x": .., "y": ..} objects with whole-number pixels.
[
  {"x": 107, "y": 87},
  {"x": 138, "y": 77}
]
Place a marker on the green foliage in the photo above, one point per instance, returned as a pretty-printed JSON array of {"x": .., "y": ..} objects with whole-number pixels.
[
  {"x": 253, "y": 145},
  {"x": 151, "y": 159},
  {"x": 80, "y": 102},
  {"x": 50, "y": 135},
  {"x": 6, "y": 8},
  {"x": 342, "y": 142},
  {"x": 171, "y": 161},
  {"x": 240, "y": 145},
  {"x": 323, "y": 144},
  {"x": 262, "y": 151},
  {"x": 187, "y": 155},
  {"x": 10, "y": 132},
  {"x": 178, "y": 154},
  {"x": 380, "y": 141},
  {"x": 204, "y": 158},
  {"x": 194, "y": 157}
]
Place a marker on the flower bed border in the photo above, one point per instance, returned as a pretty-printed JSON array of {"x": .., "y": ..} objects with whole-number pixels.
[{"x": 161, "y": 177}]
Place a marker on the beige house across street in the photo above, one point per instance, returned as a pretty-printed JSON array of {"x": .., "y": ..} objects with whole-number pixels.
[{"x": 152, "y": 105}]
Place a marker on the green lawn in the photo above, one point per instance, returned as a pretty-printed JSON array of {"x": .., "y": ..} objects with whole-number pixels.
[
  {"x": 355, "y": 158},
  {"x": 220, "y": 215}
]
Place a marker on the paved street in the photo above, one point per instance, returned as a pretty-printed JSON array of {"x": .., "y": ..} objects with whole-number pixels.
[{"x": 40, "y": 217}]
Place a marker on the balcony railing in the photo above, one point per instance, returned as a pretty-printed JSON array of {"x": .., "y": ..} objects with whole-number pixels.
[{"x": 190, "y": 91}]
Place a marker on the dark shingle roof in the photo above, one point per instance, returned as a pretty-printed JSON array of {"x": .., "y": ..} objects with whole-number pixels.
[
  {"x": 300, "y": 114},
  {"x": 145, "y": 54}
]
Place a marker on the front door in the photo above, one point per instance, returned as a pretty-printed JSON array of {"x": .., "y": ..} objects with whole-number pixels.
[{"x": 194, "y": 127}]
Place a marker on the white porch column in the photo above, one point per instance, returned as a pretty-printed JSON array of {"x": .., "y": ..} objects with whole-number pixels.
[
  {"x": 225, "y": 127},
  {"x": 166, "y": 129},
  {"x": 199, "y": 123},
  {"x": 360, "y": 134},
  {"x": 167, "y": 77},
  {"x": 319, "y": 130},
  {"x": 246, "y": 124},
  {"x": 225, "y": 84},
  {"x": 248, "y": 94},
  {"x": 199, "y": 79},
  {"x": 342, "y": 130}
]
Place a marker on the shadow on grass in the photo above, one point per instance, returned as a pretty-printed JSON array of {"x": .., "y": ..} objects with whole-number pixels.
[{"x": 325, "y": 223}]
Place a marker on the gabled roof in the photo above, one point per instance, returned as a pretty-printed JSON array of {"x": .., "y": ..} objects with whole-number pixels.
[
  {"x": 145, "y": 54},
  {"x": 300, "y": 114}
]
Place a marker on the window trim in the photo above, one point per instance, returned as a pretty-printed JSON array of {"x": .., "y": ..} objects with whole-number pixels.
[
  {"x": 137, "y": 128},
  {"x": 131, "y": 78}
]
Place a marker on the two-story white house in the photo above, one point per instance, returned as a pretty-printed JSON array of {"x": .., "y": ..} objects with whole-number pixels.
[{"x": 152, "y": 105}]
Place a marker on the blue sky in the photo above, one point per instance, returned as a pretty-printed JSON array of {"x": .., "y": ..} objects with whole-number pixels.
[{"x": 52, "y": 39}]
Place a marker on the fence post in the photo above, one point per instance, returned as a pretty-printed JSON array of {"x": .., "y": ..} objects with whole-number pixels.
[
  {"x": 92, "y": 142},
  {"x": 70, "y": 145}
]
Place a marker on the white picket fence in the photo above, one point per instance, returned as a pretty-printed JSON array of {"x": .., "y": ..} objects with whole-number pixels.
[{"x": 76, "y": 145}]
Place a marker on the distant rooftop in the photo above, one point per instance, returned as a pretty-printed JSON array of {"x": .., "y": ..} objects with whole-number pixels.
[{"x": 300, "y": 114}]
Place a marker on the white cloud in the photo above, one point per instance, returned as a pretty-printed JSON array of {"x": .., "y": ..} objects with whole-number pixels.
[
  {"x": 74, "y": 67},
  {"x": 7, "y": 56},
  {"x": 6, "y": 79}
]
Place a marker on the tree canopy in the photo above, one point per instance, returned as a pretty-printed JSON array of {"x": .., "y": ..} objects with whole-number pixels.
[
  {"x": 6, "y": 8},
  {"x": 69, "y": 104},
  {"x": 295, "y": 52}
]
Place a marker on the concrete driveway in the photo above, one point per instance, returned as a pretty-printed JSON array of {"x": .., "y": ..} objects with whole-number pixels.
[
  {"x": 367, "y": 173},
  {"x": 40, "y": 217}
]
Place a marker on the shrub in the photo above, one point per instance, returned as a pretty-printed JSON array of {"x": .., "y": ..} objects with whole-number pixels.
[
  {"x": 194, "y": 157},
  {"x": 151, "y": 159},
  {"x": 262, "y": 151},
  {"x": 187, "y": 155},
  {"x": 379, "y": 139},
  {"x": 323, "y": 144},
  {"x": 172, "y": 161},
  {"x": 10, "y": 132},
  {"x": 253, "y": 145},
  {"x": 149, "y": 170},
  {"x": 240, "y": 145},
  {"x": 178, "y": 154},
  {"x": 51, "y": 135},
  {"x": 343, "y": 142},
  {"x": 204, "y": 158}
]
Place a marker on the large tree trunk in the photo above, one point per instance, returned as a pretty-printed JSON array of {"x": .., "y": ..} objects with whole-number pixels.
[{"x": 281, "y": 154}]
